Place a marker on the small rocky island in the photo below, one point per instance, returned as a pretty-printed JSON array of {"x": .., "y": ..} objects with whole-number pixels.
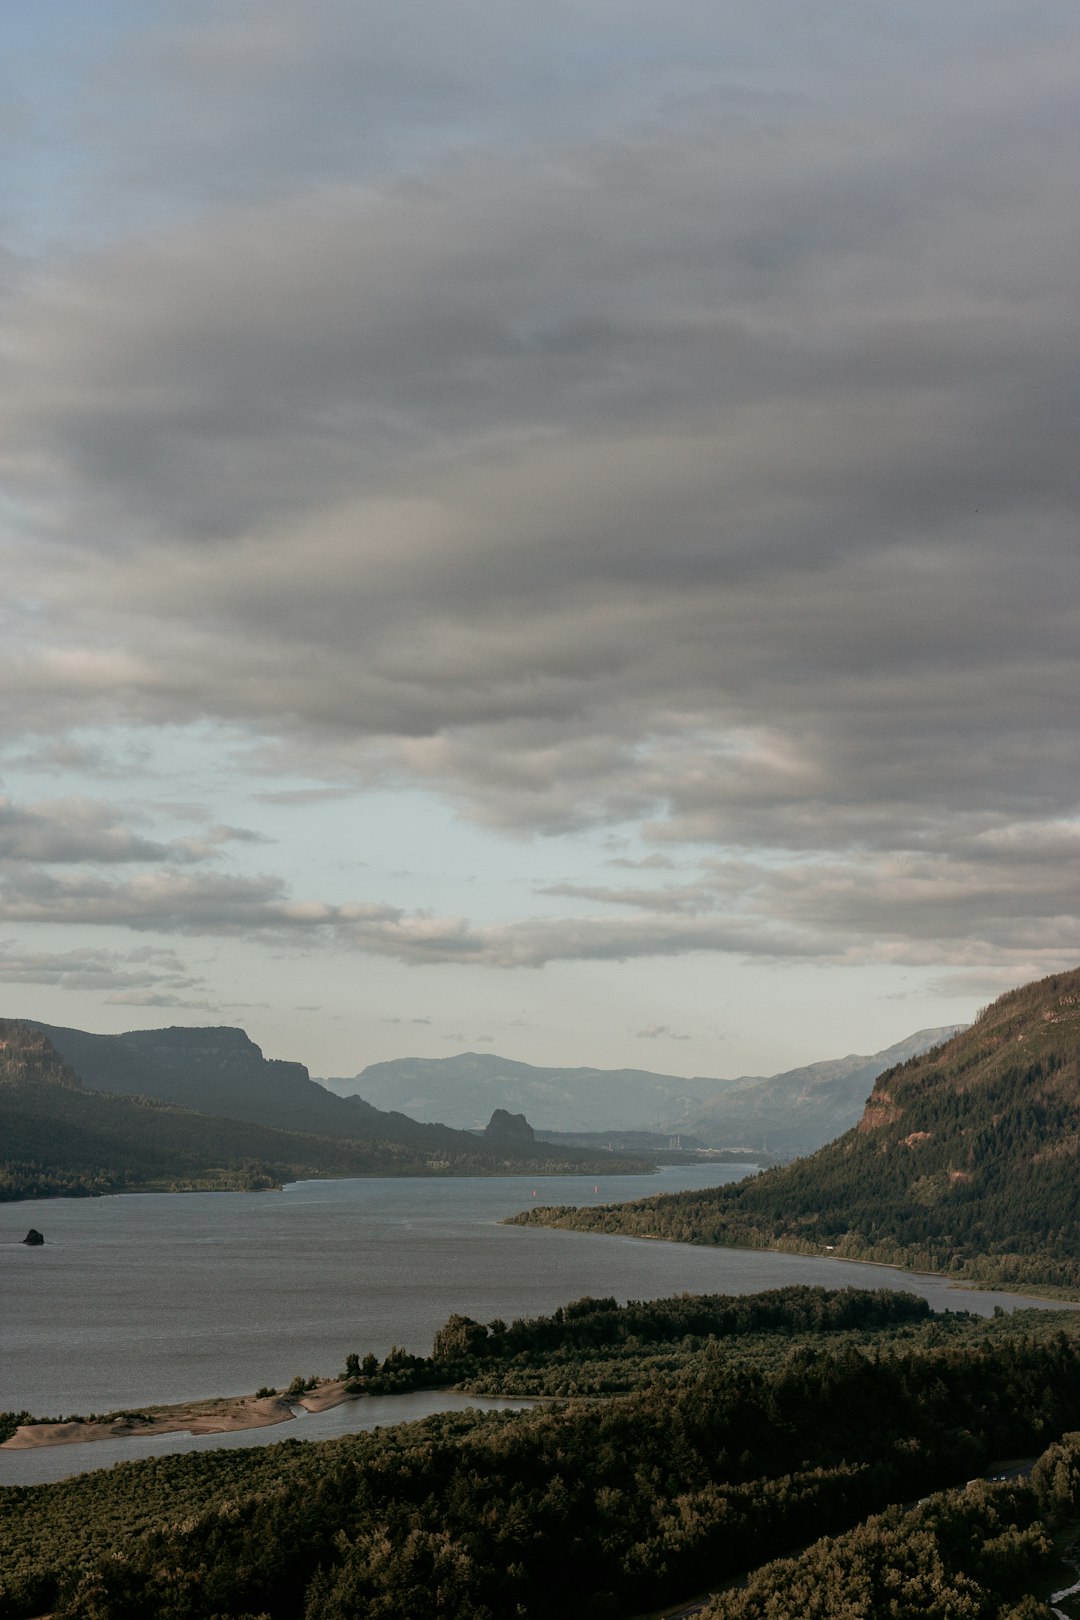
[{"x": 34, "y": 1238}]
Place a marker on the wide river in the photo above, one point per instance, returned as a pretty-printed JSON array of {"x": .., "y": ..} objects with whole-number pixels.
[{"x": 150, "y": 1298}]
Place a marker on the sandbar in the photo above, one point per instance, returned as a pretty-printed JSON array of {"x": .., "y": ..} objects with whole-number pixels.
[{"x": 219, "y": 1415}]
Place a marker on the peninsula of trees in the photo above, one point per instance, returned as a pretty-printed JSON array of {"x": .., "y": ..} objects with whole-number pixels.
[{"x": 707, "y": 1437}]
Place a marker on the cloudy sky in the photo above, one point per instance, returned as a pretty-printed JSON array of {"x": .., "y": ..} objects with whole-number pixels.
[{"x": 547, "y": 528}]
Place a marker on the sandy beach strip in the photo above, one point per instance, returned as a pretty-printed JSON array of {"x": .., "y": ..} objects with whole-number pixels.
[{"x": 220, "y": 1415}]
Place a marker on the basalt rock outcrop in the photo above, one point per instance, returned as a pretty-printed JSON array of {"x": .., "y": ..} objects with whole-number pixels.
[{"x": 506, "y": 1127}]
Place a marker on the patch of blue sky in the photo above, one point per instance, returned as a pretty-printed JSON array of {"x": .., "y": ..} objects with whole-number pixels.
[
  {"x": 337, "y": 843},
  {"x": 409, "y": 848}
]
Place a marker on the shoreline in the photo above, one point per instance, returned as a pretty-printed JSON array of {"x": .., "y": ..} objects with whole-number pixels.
[
  {"x": 225, "y": 1414},
  {"x": 1054, "y": 1292}
]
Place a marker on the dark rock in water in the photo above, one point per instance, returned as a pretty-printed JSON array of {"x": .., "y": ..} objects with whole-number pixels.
[
  {"x": 504, "y": 1127},
  {"x": 34, "y": 1238}
]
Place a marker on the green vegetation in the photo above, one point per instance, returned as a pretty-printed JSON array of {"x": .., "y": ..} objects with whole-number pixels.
[
  {"x": 58, "y": 1138},
  {"x": 775, "y": 1440},
  {"x": 789, "y": 1418},
  {"x": 966, "y": 1161},
  {"x": 980, "y": 1552},
  {"x": 598, "y": 1347}
]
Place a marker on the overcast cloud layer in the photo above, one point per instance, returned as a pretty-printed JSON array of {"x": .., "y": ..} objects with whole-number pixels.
[{"x": 592, "y": 425}]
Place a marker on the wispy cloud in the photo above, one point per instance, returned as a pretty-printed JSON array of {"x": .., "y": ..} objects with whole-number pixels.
[
  {"x": 97, "y": 969},
  {"x": 658, "y": 1032},
  {"x": 934, "y": 914},
  {"x": 157, "y": 998}
]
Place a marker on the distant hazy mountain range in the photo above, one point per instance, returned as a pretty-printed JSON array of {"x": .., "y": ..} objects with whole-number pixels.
[{"x": 784, "y": 1114}]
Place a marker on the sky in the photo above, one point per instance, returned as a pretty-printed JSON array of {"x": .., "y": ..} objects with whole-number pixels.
[{"x": 539, "y": 529}]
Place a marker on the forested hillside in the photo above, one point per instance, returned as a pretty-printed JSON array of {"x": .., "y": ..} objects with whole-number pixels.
[
  {"x": 802, "y": 1109},
  {"x": 966, "y": 1160},
  {"x": 782, "y": 1419},
  {"x": 221, "y": 1071},
  {"x": 58, "y": 1137}
]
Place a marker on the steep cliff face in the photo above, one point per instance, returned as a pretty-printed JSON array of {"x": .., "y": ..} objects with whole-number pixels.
[
  {"x": 802, "y": 1109},
  {"x": 218, "y": 1047},
  {"x": 211, "y": 1070},
  {"x": 249, "y": 1109},
  {"x": 28, "y": 1058}
]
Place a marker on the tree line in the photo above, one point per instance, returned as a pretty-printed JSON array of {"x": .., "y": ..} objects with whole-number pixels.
[{"x": 596, "y": 1508}]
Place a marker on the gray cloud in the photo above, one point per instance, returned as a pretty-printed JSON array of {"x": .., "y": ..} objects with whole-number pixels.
[
  {"x": 96, "y": 969},
  {"x": 70, "y": 831},
  {"x": 305, "y": 797},
  {"x": 156, "y": 998},
  {"x": 658, "y": 1032},
  {"x": 162, "y": 899},
  {"x": 649, "y": 863},
  {"x": 78, "y": 830},
  {"x": 969, "y": 917},
  {"x": 210, "y": 842},
  {"x": 691, "y": 897},
  {"x": 710, "y": 466},
  {"x": 67, "y": 753}
]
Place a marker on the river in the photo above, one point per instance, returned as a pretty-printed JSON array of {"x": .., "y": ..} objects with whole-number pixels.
[{"x": 151, "y": 1298}]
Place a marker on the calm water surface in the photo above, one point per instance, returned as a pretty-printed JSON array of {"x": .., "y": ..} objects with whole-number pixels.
[
  {"x": 166, "y": 1297},
  {"x": 151, "y": 1298}
]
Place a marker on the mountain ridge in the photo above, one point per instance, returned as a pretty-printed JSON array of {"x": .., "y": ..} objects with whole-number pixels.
[
  {"x": 86, "y": 1113},
  {"x": 965, "y": 1160},
  {"x": 789, "y": 1113}
]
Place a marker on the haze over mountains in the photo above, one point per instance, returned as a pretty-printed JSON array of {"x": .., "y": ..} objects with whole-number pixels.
[
  {"x": 785, "y": 1114},
  {"x": 202, "y": 1106},
  {"x": 965, "y": 1159}
]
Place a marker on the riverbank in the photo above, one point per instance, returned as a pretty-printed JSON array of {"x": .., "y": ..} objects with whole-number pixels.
[
  {"x": 1029, "y": 1291},
  {"x": 169, "y": 1299}
]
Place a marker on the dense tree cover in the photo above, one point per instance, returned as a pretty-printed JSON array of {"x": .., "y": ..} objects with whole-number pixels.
[
  {"x": 596, "y": 1346},
  {"x": 76, "y": 1142},
  {"x": 57, "y": 1138},
  {"x": 981, "y": 1553},
  {"x": 596, "y": 1508},
  {"x": 637, "y": 1362},
  {"x": 967, "y": 1160}
]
